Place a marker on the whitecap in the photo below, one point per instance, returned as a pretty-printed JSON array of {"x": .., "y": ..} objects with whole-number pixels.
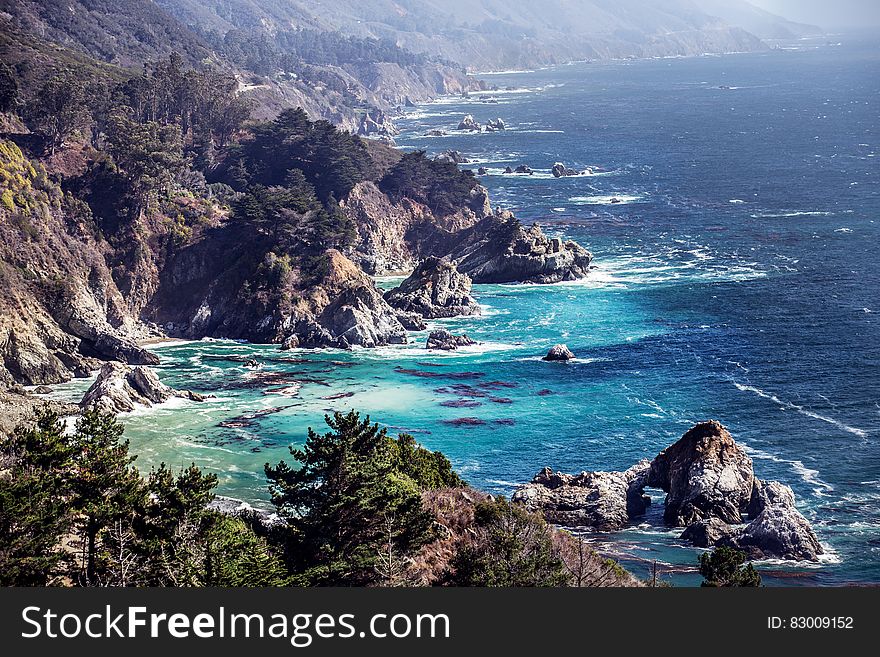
[
  {"x": 621, "y": 199},
  {"x": 861, "y": 433},
  {"x": 780, "y": 215}
]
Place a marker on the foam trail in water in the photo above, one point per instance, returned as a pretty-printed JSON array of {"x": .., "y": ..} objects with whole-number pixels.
[{"x": 861, "y": 433}]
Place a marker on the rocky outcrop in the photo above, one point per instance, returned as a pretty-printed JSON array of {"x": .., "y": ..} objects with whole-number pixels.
[
  {"x": 500, "y": 249},
  {"x": 435, "y": 289},
  {"x": 493, "y": 125},
  {"x": 468, "y": 123},
  {"x": 377, "y": 123},
  {"x": 346, "y": 311},
  {"x": 559, "y": 170},
  {"x": 524, "y": 168},
  {"x": 121, "y": 389},
  {"x": 778, "y": 530},
  {"x": 559, "y": 352},
  {"x": 360, "y": 317},
  {"x": 705, "y": 474},
  {"x": 444, "y": 340},
  {"x": 394, "y": 237},
  {"x": 452, "y": 156},
  {"x": 711, "y": 492},
  {"x": 603, "y": 500}
]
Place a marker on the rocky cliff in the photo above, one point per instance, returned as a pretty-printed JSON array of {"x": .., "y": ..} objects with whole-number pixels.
[{"x": 61, "y": 309}]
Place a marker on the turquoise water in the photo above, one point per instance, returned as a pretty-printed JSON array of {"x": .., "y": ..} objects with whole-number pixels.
[{"x": 736, "y": 280}]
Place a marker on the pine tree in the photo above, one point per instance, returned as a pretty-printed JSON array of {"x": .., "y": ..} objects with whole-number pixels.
[
  {"x": 34, "y": 507},
  {"x": 105, "y": 487},
  {"x": 336, "y": 502},
  {"x": 723, "y": 567},
  {"x": 511, "y": 547}
]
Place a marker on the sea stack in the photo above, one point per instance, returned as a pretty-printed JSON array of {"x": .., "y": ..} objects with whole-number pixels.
[{"x": 559, "y": 352}]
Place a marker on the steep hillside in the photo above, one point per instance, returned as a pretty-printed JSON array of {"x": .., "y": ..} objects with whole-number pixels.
[{"x": 498, "y": 34}]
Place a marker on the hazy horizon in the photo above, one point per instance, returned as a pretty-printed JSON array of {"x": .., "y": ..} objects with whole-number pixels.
[{"x": 840, "y": 14}]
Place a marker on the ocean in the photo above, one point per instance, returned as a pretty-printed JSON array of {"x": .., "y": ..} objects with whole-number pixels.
[{"x": 736, "y": 278}]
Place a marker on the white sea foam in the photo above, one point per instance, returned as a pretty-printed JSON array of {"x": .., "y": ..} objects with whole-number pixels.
[
  {"x": 621, "y": 199},
  {"x": 861, "y": 433},
  {"x": 780, "y": 215},
  {"x": 808, "y": 475}
]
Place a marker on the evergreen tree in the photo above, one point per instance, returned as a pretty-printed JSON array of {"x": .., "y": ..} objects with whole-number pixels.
[
  {"x": 149, "y": 155},
  {"x": 338, "y": 502},
  {"x": 59, "y": 108},
  {"x": 105, "y": 488},
  {"x": 236, "y": 556},
  {"x": 511, "y": 547},
  {"x": 723, "y": 567},
  {"x": 34, "y": 507},
  {"x": 8, "y": 88},
  {"x": 428, "y": 469},
  {"x": 170, "y": 528}
]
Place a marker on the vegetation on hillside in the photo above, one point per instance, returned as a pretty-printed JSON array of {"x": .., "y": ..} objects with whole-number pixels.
[{"x": 356, "y": 507}]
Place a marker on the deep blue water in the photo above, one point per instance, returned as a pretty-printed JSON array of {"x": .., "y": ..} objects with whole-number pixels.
[{"x": 737, "y": 280}]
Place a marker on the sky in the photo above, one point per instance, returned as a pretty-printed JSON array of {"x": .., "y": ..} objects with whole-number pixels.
[{"x": 826, "y": 13}]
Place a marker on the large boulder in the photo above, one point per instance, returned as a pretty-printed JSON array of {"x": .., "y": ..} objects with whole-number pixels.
[
  {"x": 435, "y": 289},
  {"x": 499, "y": 249},
  {"x": 121, "y": 388},
  {"x": 445, "y": 341},
  {"x": 601, "y": 500},
  {"x": 705, "y": 474},
  {"x": 779, "y": 531}
]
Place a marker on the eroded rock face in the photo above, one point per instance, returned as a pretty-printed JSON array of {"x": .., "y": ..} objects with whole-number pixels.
[
  {"x": 359, "y": 316},
  {"x": 603, "y": 500},
  {"x": 120, "y": 389},
  {"x": 500, "y": 249},
  {"x": 446, "y": 341},
  {"x": 705, "y": 474},
  {"x": 435, "y": 289}
]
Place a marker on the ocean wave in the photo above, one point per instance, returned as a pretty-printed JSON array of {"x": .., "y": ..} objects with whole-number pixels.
[
  {"x": 621, "y": 199},
  {"x": 861, "y": 433},
  {"x": 780, "y": 215}
]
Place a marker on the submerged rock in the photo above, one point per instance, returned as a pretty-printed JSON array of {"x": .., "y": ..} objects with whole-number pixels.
[
  {"x": 120, "y": 388},
  {"x": 435, "y": 289},
  {"x": 444, "y": 340},
  {"x": 482, "y": 171},
  {"x": 559, "y": 352}
]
